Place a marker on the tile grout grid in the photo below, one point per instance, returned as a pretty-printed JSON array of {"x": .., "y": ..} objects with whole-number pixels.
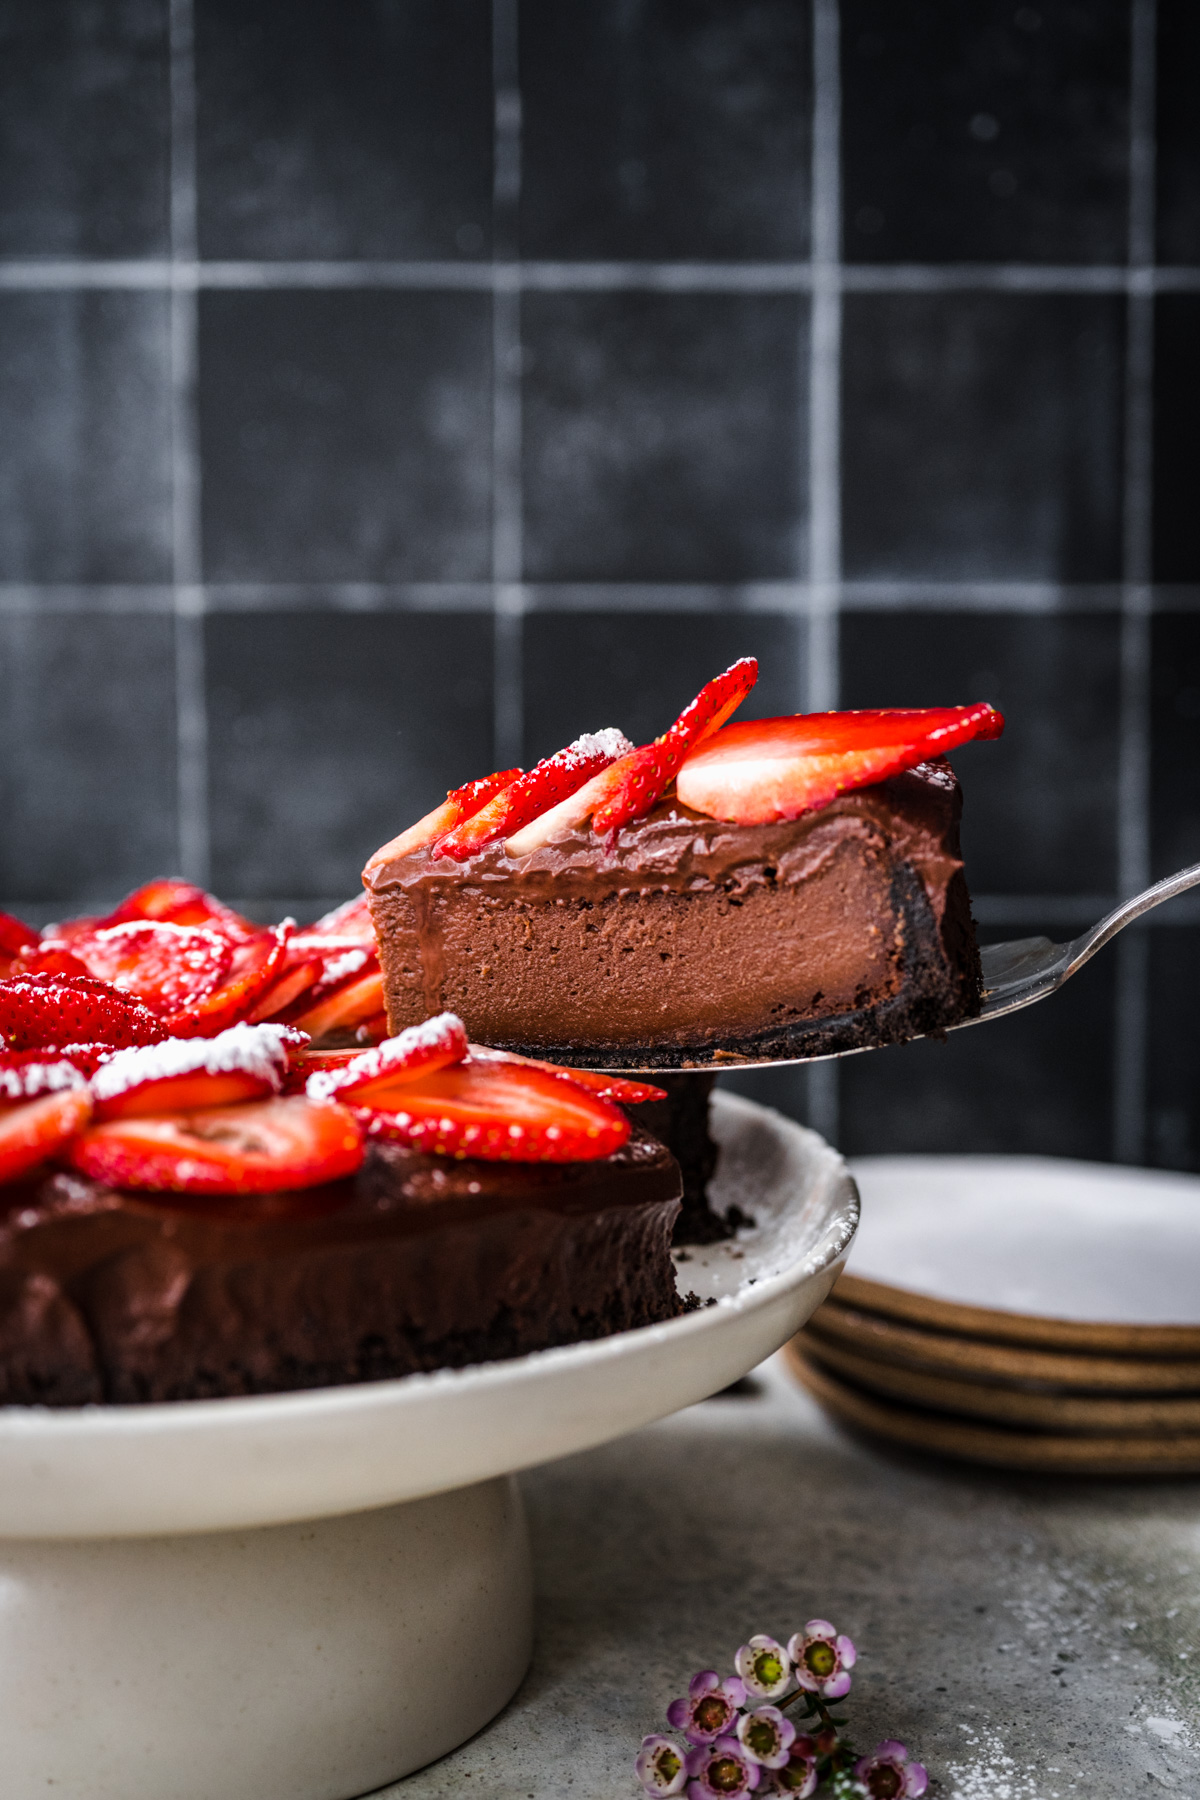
[
  {"x": 1133, "y": 805},
  {"x": 822, "y": 1084},
  {"x": 507, "y": 274},
  {"x": 818, "y": 596},
  {"x": 191, "y": 723},
  {"x": 507, "y": 499}
]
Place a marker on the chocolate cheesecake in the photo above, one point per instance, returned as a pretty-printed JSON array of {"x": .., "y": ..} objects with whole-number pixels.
[
  {"x": 686, "y": 939},
  {"x": 419, "y": 1262}
]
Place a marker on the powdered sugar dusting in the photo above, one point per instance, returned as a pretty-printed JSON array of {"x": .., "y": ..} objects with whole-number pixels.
[
  {"x": 38, "y": 1078},
  {"x": 339, "y": 967},
  {"x": 258, "y": 1050},
  {"x": 610, "y": 742}
]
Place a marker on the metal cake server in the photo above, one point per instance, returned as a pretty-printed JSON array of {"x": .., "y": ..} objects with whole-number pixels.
[
  {"x": 1015, "y": 974},
  {"x": 1027, "y": 969}
]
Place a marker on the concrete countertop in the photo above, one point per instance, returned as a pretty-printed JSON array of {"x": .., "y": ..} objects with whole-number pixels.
[{"x": 1029, "y": 1638}]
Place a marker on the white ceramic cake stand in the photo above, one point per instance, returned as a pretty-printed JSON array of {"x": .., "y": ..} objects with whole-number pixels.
[{"x": 305, "y": 1596}]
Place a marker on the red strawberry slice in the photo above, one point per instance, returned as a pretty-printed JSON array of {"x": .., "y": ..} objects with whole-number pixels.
[
  {"x": 286, "y": 990},
  {"x": 307, "y": 1061},
  {"x": 419, "y": 1050},
  {"x": 263, "y": 1147},
  {"x": 779, "y": 768},
  {"x": 497, "y": 1111},
  {"x": 356, "y": 1001},
  {"x": 45, "y": 1009},
  {"x": 67, "y": 930},
  {"x": 27, "y": 1074},
  {"x": 460, "y": 804},
  {"x": 31, "y": 1132},
  {"x": 351, "y": 922},
  {"x": 645, "y": 775},
  {"x": 551, "y": 781},
  {"x": 49, "y": 956},
  {"x": 246, "y": 1062},
  {"x": 84, "y": 1058},
  {"x": 174, "y": 902},
  {"x": 609, "y": 1087},
  {"x": 254, "y": 966},
  {"x": 14, "y": 936},
  {"x": 373, "y": 1030},
  {"x": 168, "y": 966}
]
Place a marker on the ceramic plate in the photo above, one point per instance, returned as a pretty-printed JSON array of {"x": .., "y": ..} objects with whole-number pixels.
[
  {"x": 200, "y": 1465},
  {"x": 1036, "y": 1409},
  {"x": 939, "y": 1352},
  {"x": 1003, "y": 1449},
  {"x": 1032, "y": 1250}
]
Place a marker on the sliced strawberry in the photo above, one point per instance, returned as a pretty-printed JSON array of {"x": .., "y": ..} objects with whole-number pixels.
[
  {"x": 31, "y": 1132},
  {"x": 27, "y": 1074},
  {"x": 246, "y": 1062},
  {"x": 49, "y": 956},
  {"x": 286, "y": 990},
  {"x": 168, "y": 966},
  {"x": 342, "y": 967},
  {"x": 497, "y": 1111},
  {"x": 14, "y": 936},
  {"x": 174, "y": 902},
  {"x": 373, "y": 1030},
  {"x": 351, "y": 921},
  {"x": 551, "y": 781},
  {"x": 87, "y": 1058},
  {"x": 67, "y": 930},
  {"x": 459, "y": 805},
  {"x": 306, "y": 1062},
  {"x": 609, "y": 1087},
  {"x": 419, "y": 1050},
  {"x": 644, "y": 776},
  {"x": 46, "y": 1009},
  {"x": 260, "y": 1148},
  {"x": 254, "y": 966},
  {"x": 350, "y": 1005},
  {"x": 779, "y": 768}
]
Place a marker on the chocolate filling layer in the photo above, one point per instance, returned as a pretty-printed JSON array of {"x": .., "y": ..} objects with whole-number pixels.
[
  {"x": 849, "y": 926},
  {"x": 419, "y": 1263}
]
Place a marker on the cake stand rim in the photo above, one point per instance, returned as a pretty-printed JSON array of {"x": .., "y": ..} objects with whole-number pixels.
[{"x": 55, "y": 1433}]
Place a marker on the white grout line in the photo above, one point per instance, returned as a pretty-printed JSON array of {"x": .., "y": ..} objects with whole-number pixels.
[
  {"x": 824, "y": 434},
  {"x": 1133, "y": 806},
  {"x": 191, "y": 722},
  {"x": 666, "y": 277},
  {"x": 783, "y": 599},
  {"x": 507, "y": 500}
]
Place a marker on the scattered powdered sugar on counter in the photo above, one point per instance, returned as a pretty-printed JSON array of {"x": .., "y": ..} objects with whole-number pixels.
[
  {"x": 993, "y": 1774},
  {"x": 259, "y": 1050}
]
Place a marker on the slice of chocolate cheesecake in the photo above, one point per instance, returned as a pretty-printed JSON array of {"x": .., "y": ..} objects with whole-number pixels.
[{"x": 683, "y": 937}]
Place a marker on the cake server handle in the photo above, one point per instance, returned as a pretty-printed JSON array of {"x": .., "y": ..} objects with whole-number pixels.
[{"x": 1017, "y": 973}]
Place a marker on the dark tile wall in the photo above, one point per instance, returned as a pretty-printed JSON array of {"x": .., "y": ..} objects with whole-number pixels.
[
  {"x": 986, "y": 133},
  {"x": 983, "y": 436},
  {"x": 395, "y": 389}
]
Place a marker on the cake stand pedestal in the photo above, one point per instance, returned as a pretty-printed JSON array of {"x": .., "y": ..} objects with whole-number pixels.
[
  {"x": 306, "y": 1596},
  {"x": 293, "y": 1662}
]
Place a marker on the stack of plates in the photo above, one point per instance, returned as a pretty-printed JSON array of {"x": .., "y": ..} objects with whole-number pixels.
[{"x": 1018, "y": 1311}]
